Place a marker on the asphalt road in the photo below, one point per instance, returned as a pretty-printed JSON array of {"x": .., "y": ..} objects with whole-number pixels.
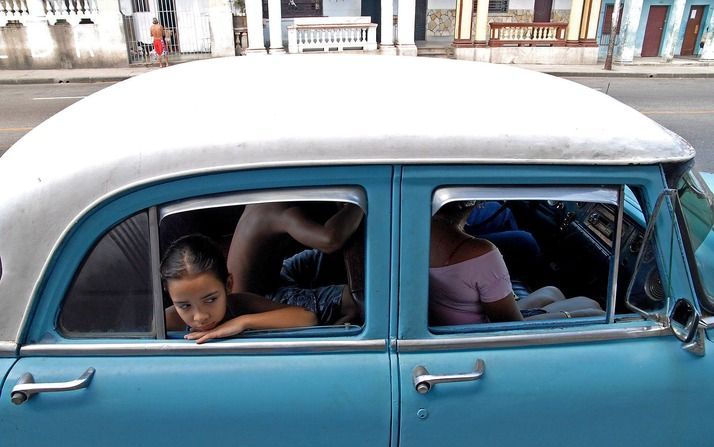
[{"x": 684, "y": 105}]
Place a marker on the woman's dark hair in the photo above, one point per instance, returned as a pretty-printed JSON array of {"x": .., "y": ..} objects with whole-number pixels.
[{"x": 193, "y": 254}]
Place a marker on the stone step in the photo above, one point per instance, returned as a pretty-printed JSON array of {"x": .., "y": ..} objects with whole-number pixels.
[{"x": 446, "y": 52}]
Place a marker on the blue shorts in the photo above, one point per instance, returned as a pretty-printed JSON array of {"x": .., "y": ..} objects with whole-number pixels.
[{"x": 324, "y": 301}]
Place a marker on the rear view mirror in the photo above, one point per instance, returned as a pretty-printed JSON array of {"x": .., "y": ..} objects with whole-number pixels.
[{"x": 684, "y": 320}]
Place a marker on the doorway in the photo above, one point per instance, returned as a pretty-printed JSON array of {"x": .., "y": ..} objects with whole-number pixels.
[
  {"x": 653, "y": 31},
  {"x": 691, "y": 33},
  {"x": 373, "y": 8},
  {"x": 420, "y": 20},
  {"x": 542, "y": 10}
]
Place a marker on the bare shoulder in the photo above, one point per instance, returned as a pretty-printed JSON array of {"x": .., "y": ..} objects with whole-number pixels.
[{"x": 473, "y": 248}]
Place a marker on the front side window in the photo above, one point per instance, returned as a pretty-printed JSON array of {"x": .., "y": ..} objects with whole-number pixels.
[{"x": 533, "y": 254}]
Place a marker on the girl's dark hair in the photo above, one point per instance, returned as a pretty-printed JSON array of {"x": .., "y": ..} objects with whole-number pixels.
[{"x": 193, "y": 254}]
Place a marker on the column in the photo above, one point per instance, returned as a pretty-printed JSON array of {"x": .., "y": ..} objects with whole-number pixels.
[
  {"x": 406, "y": 11},
  {"x": 220, "y": 18},
  {"x": 572, "y": 34},
  {"x": 707, "y": 53},
  {"x": 275, "y": 25},
  {"x": 671, "y": 30},
  {"x": 481, "y": 36},
  {"x": 625, "y": 50},
  {"x": 386, "y": 41},
  {"x": 462, "y": 24},
  {"x": 590, "y": 37},
  {"x": 254, "y": 21}
]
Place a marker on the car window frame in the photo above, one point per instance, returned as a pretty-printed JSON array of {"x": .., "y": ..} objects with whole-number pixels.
[
  {"x": 39, "y": 323},
  {"x": 349, "y": 194},
  {"x": 418, "y": 182}
]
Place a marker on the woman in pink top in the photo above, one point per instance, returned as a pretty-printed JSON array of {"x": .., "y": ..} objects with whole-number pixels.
[{"x": 469, "y": 281}]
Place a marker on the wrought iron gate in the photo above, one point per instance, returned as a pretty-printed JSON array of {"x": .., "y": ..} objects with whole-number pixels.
[{"x": 187, "y": 31}]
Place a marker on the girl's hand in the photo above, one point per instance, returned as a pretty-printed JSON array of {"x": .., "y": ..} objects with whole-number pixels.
[{"x": 227, "y": 329}]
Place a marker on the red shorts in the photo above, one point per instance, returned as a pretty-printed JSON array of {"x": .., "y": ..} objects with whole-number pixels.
[{"x": 159, "y": 47}]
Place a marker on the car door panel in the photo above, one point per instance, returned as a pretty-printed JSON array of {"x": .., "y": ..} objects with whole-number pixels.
[
  {"x": 606, "y": 393},
  {"x": 620, "y": 383},
  {"x": 188, "y": 400},
  {"x": 320, "y": 386}
]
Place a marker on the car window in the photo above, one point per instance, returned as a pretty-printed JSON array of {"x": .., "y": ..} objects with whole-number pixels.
[
  {"x": 697, "y": 208},
  {"x": 547, "y": 254},
  {"x": 278, "y": 249},
  {"x": 111, "y": 295}
]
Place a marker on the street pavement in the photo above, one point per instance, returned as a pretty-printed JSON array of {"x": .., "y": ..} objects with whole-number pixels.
[{"x": 641, "y": 68}]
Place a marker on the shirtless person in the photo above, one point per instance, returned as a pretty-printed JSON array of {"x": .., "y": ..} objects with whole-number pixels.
[
  {"x": 157, "y": 33},
  {"x": 260, "y": 244}
]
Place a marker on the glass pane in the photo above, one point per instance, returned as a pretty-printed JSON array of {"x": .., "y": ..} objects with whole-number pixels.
[
  {"x": 698, "y": 210},
  {"x": 649, "y": 283},
  {"x": 307, "y": 254},
  {"x": 112, "y": 293},
  {"x": 508, "y": 260}
]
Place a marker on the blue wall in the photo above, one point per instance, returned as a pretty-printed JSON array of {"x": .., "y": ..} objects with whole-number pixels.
[{"x": 643, "y": 23}]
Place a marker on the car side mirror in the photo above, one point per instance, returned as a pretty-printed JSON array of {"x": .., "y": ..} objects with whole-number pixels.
[{"x": 684, "y": 320}]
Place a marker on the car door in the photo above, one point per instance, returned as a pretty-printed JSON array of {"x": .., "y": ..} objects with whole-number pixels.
[
  {"x": 111, "y": 375},
  {"x": 619, "y": 380}
]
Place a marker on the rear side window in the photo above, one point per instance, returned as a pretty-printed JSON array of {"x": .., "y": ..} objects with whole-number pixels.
[{"x": 111, "y": 294}]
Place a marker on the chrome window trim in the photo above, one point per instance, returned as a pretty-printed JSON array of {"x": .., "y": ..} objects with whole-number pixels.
[
  {"x": 567, "y": 193},
  {"x": 159, "y": 326},
  {"x": 182, "y": 347},
  {"x": 8, "y": 349},
  {"x": 615, "y": 266},
  {"x": 350, "y": 194},
  {"x": 531, "y": 339}
]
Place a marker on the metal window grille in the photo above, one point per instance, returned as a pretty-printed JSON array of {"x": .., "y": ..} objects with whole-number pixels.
[
  {"x": 141, "y": 5},
  {"x": 495, "y": 5}
]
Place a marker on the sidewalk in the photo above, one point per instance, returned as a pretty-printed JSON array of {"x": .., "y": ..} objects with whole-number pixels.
[{"x": 642, "y": 68}]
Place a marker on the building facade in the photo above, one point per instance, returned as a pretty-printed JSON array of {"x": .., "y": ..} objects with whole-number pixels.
[{"x": 105, "y": 33}]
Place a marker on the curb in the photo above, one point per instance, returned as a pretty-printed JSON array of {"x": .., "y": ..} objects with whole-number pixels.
[
  {"x": 615, "y": 74},
  {"x": 77, "y": 80}
]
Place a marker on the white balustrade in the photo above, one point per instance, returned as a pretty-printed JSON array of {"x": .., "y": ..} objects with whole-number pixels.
[
  {"x": 73, "y": 11},
  {"x": 332, "y": 33},
  {"x": 526, "y": 34},
  {"x": 13, "y": 10}
]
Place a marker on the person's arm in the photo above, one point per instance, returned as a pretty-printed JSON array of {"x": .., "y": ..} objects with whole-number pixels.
[
  {"x": 286, "y": 317},
  {"x": 329, "y": 237},
  {"x": 504, "y": 309}
]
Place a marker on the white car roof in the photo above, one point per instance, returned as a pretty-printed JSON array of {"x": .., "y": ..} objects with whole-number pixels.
[{"x": 247, "y": 112}]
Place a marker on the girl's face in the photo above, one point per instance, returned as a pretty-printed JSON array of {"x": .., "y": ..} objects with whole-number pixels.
[{"x": 200, "y": 300}]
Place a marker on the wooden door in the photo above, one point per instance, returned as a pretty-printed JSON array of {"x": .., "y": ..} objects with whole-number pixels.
[
  {"x": 653, "y": 31},
  {"x": 692, "y": 31},
  {"x": 542, "y": 10}
]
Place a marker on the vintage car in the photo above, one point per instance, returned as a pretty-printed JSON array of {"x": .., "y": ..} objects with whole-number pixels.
[{"x": 92, "y": 197}]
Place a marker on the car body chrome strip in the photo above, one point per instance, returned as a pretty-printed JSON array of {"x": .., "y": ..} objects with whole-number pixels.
[
  {"x": 8, "y": 349},
  {"x": 182, "y": 347},
  {"x": 532, "y": 339}
]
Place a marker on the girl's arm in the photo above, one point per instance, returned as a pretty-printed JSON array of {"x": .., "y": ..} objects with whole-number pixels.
[{"x": 286, "y": 317}]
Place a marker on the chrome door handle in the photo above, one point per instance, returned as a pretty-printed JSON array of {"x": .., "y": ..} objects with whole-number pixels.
[
  {"x": 423, "y": 381},
  {"x": 26, "y": 387}
]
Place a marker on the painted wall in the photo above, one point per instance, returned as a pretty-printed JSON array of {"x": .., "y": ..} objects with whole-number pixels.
[
  {"x": 341, "y": 8},
  {"x": 40, "y": 45},
  {"x": 708, "y": 7}
]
